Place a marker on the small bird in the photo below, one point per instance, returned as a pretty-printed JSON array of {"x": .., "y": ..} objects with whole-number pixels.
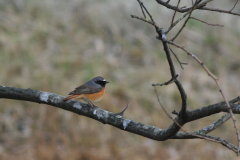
[{"x": 92, "y": 91}]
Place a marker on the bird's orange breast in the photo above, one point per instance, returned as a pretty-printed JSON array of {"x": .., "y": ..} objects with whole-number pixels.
[{"x": 95, "y": 96}]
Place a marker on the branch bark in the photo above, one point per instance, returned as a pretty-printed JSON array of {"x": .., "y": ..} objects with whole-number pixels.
[
  {"x": 118, "y": 121},
  {"x": 93, "y": 112}
]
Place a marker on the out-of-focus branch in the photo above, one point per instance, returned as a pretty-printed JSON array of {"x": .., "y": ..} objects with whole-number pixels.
[
  {"x": 181, "y": 10},
  {"x": 206, "y": 22},
  {"x": 220, "y": 10},
  {"x": 175, "y": 12},
  {"x": 201, "y": 6},
  {"x": 234, "y": 6},
  {"x": 184, "y": 24},
  {"x": 195, "y": 6},
  {"x": 144, "y": 20},
  {"x": 140, "y": 3}
]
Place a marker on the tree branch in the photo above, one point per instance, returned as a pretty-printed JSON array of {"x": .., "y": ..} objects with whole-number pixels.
[
  {"x": 183, "y": 94},
  {"x": 90, "y": 111},
  {"x": 199, "y": 7},
  {"x": 202, "y": 135},
  {"x": 183, "y": 135},
  {"x": 116, "y": 120}
]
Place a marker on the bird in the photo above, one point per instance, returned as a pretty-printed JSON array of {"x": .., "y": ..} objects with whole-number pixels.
[{"x": 91, "y": 91}]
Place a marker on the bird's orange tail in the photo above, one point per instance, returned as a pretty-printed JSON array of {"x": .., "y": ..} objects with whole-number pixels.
[{"x": 71, "y": 97}]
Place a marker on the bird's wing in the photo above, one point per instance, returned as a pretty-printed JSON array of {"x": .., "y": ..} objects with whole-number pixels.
[{"x": 86, "y": 89}]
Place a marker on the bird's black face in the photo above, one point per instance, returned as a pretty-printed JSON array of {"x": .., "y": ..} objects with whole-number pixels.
[{"x": 101, "y": 81}]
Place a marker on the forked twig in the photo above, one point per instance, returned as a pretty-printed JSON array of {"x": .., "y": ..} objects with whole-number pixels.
[
  {"x": 195, "y": 135},
  {"x": 176, "y": 22},
  {"x": 188, "y": 12},
  {"x": 147, "y": 12},
  {"x": 199, "y": 7},
  {"x": 173, "y": 79},
  {"x": 216, "y": 81},
  {"x": 150, "y": 22},
  {"x": 162, "y": 37},
  {"x": 140, "y": 3},
  {"x": 177, "y": 58},
  {"x": 184, "y": 24}
]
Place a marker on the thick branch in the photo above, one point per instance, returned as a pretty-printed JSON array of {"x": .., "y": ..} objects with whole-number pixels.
[
  {"x": 210, "y": 110},
  {"x": 90, "y": 111},
  {"x": 116, "y": 120},
  {"x": 108, "y": 117}
]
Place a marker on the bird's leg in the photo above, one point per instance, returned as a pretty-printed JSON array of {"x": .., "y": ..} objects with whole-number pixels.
[{"x": 88, "y": 101}]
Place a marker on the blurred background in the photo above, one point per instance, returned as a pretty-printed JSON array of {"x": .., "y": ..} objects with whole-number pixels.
[{"x": 57, "y": 45}]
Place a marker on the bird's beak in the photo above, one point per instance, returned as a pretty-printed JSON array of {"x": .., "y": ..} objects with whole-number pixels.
[{"x": 107, "y": 82}]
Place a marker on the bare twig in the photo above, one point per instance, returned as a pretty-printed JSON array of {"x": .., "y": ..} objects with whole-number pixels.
[
  {"x": 184, "y": 8},
  {"x": 176, "y": 22},
  {"x": 175, "y": 112},
  {"x": 216, "y": 81},
  {"x": 162, "y": 36},
  {"x": 178, "y": 59},
  {"x": 147, "y": 12},
  {"x": 234, "y": 6},
  {"x": 188, "y": 12},
  {"x": 172, "y": 68},
  {"x": 199, "y": 7},
  {"x": 207, "y": 23},
  {"x": 183, "y": 135},
  {"x": 180, "y": 30},
  {"x": 175, "y": 12},
  {"x": 215, "y": 124},
  {"x": 152, "y": 23},
  {"x": 122, "y": 112},
  {"x": 220, "y": 10},
  {"x": 140, "y": 3},
  {"x": 173, "y": 79},
  {"x": 194, "y": 135}
]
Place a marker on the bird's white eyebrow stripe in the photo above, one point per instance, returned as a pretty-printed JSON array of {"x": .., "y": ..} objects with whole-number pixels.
[{"x": 104, "y": 79}]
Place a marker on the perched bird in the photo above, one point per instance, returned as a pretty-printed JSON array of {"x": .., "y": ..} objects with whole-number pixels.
[{"x": 92, "y": 91}]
